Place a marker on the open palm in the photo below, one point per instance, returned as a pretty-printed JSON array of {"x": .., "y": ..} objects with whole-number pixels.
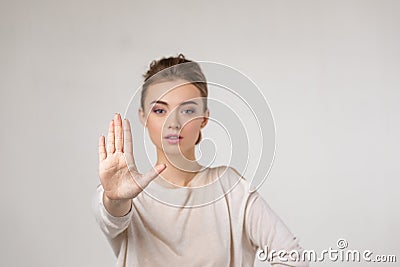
[{"x": 117, "y": 169}]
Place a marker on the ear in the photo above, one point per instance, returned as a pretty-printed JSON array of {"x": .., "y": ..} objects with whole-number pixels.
[
  {"x": 205, "y": 119},
  {"x": 141, "y": 116}
]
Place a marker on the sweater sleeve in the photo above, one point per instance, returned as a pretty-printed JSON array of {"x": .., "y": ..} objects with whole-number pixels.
[
  {"x": 268, "y": 233},
  {"x": 113, "y": 227}
]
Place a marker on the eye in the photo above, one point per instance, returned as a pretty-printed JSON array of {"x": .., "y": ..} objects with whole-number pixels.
[
  {"x": 158, "y": 110},
  {"x": 188, "y": 111}
]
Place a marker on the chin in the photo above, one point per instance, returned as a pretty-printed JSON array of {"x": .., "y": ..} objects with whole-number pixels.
[{"x": 172, "y": 151}]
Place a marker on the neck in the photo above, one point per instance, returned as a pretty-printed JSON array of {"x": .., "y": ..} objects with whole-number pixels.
[{"x": 180, "y": 169}]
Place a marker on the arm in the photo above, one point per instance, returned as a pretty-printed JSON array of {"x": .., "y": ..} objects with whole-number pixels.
[
  {"x": 268, "y": 232},
  {"x": 117, "y": 208},
  {"x": 119, "y": 183},
  {"x": 112, "y": 226}
]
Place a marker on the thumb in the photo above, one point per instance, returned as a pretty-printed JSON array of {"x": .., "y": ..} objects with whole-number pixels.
[
  {"x": 152, "y": 174},
  {"x": 160, "y": 168}
]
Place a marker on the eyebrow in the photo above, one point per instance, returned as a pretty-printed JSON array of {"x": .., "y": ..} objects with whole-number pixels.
[{"x": 181, "y": 104}]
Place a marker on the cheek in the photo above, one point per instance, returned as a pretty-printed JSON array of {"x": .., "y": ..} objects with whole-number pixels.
[
  {"x": 193, "y": 127},
  {"x": 155, "y": 129}
]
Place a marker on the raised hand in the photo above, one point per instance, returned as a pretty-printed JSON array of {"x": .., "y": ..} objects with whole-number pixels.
[{"x": 117, "y": 169}]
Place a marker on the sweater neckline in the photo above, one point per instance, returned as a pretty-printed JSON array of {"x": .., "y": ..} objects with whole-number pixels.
[
  {"x": 195, "y": 182},
  {"x": 206, "y": 187}
]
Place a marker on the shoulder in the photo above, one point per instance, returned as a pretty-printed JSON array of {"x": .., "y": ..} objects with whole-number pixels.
[
  {"x": 232, "y": 181},
  {"x": 226, "y": 170}
]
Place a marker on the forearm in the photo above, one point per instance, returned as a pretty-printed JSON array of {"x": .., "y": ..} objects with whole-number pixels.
[
  {"x": 117, "y": 208},
  {"x": 111, "y": 225}
]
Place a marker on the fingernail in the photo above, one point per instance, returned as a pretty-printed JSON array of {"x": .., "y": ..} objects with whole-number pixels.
[{"x": 161, "y": 167}]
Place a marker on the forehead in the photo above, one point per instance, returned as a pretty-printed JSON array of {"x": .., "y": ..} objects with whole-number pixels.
[{"x": 173, "y": 92}]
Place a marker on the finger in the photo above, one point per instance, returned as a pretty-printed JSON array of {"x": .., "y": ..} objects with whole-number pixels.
[
  {"x": 110, "y": 138},
  {"x": 102, "y": 149},
  {"x": 151, "y": 175},
  {"x": 128, "y": 144},
  {"x": 128, "y": 148},
  {"x": 119, "y": 141}
]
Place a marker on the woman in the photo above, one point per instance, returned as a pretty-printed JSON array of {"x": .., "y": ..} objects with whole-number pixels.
[{"x": 143, "y": 231}]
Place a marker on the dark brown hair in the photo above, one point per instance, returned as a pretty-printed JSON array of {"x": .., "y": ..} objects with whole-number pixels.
[{"x": 170, "y": 68}]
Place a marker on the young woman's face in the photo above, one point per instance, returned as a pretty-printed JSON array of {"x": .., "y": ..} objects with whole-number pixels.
[{"x": 174, "y": 108}]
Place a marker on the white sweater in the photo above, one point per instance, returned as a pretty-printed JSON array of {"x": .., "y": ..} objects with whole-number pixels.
[{"x": 214, "y": 221}]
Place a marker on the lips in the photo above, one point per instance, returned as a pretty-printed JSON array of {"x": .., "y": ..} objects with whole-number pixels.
[{"x": 173, "y": 136}]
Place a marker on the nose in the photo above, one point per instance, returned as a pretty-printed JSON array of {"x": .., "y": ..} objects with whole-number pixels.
[{"x": 173, "y": 121}]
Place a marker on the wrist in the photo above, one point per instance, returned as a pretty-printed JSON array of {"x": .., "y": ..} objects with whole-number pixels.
[{"x": 117, "y": 207}]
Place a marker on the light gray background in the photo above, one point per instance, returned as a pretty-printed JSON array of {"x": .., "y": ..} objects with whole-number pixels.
[{"x": 329, "y": 69}]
